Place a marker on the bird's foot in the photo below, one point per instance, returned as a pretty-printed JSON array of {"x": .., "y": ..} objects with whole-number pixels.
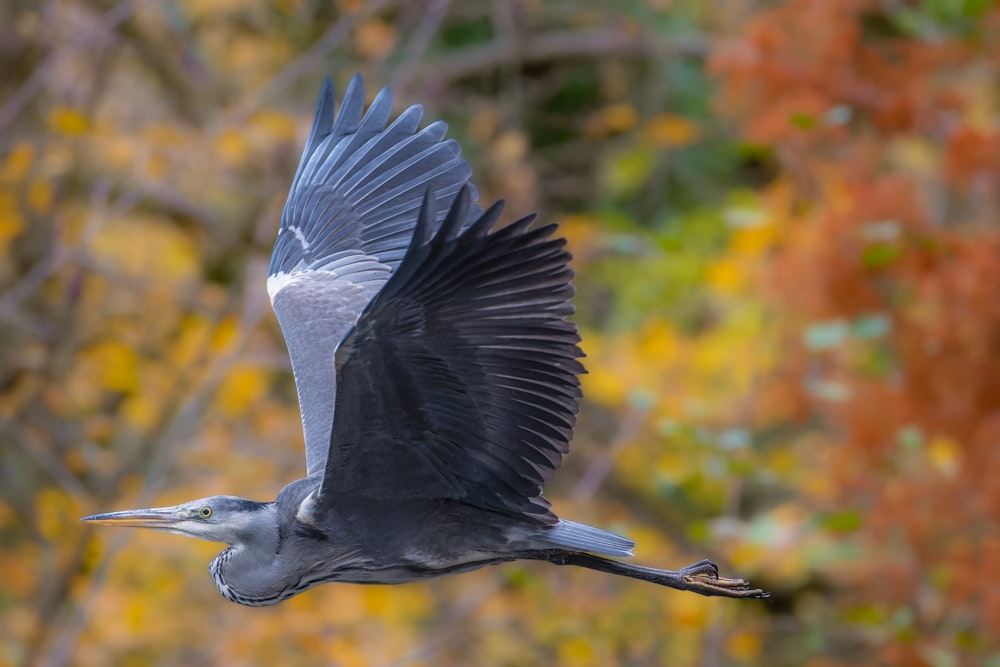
[{"x": 703, "y": 578}]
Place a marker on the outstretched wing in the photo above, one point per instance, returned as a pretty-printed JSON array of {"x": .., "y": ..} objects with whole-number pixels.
[
  {"x": 459, "y": 381},
  {"x": 346, "y": 225}
]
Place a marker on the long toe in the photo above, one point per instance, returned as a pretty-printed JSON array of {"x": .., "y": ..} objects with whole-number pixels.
[{"x": 703, "y": 578}]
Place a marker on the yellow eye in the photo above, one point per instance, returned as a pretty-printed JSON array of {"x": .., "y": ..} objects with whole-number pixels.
[{"x": 205, "y": 512}]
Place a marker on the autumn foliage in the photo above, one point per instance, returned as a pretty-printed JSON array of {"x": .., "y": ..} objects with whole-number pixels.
[
  {"x": 784, "y": 221},
  {"x": 889, "y": 214}
]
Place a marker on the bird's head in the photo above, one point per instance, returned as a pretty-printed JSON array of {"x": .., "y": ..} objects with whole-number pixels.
[{"x": 226, "y": 519}]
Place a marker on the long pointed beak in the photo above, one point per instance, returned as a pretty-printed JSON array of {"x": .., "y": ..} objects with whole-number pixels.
[{"x": 155, "y": 517}]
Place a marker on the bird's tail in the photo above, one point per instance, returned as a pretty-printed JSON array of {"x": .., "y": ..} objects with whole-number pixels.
[{"x": 578, "y": 536}]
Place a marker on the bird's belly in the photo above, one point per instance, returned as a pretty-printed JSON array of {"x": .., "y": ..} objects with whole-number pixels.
[{"x": 414, "y": 570}]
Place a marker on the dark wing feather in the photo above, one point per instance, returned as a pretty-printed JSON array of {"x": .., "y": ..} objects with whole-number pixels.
[
  {"x": 459, "y": 380},
  {"x": 350, "y": 214}
]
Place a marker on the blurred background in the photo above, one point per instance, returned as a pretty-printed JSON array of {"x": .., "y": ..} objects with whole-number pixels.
[{"x": 784, "y": 217}]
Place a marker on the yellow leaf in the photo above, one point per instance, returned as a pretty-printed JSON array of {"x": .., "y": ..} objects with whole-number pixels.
[
  {"x": 191, "y": 345},
  {"x": 725, "y": 276},
  {"x": 620, "y": 118},
  {"x": 377, "y": 602},
  {"x": 224, "y": 335},
  {"x": 40, "y": 196},
  {"x": 144, "y": 247},
  {"x": 915, "y": 154},
  {"x": 289, "y": 7},
  {"x": 278, "y": 126},
  {"x": 817, "y": 487},
  {"x": 161, "y": 134},
  {"x": 240, "y": 390},
  {"x": 743, "y": 645},
  {"x": 943, "y": 454},
  {"x": 672, "y": 466},
  {"x": 689, "y": 612},
  {"x": 8, "y": 517},
  {"x": 11, "y": 222},
  {"x": 345, "y": 652},
  {"x": 157, "y": 165},
  {"x": 232, "y": 146},
  {"x": 611, "y": 120},
  {"x": 754, "y": 240},
  {"x": 628, "y": 171},
  {"x": 784, "y": 461},
  {"x": 134, "y": 614},
  {"x": 745, "y": 556},
  {"x": 141, "y": 412},
  {"x": 669, "y": 131},
  {"x": 18, "y": 162},
  {"x": 117, "y": 365},
  {"x": 582, "y": 234},
  {"x": 252, "y": 54},
  {"x": 55, "y": 509},
  {"x": 483, "y": 124},
  {"x": 68, "y": 121},
  {"x": 117, "y": 150},
  {"x": 611, "y": 385},
  {"x": 659, "y": 342},
  {"x": 576, "y": 651},
  {"x": 20, "y": 578},
  {"x": 92, "y": 555},
  {"x": 510, "y": 147},
  {"x": 374, "y": 39},
  {"x": 980, "y": 105}
]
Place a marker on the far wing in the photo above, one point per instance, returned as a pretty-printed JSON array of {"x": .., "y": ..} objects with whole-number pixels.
[
  {"x": 460, "y": 379},
  {"x": 348, "y": 220}
]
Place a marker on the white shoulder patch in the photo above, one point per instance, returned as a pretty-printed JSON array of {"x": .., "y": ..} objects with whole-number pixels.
[
  {"x": 279, "y": 281},
  {"x": 307, "y": 510}
]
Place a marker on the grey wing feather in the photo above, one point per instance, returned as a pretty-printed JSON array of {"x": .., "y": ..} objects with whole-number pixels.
[
  {"x": 459, "y": 381},
  {"x": 350, "y": 213}
]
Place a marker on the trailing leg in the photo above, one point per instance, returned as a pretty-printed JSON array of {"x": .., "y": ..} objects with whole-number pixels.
[{"x": 701, "y": 577}]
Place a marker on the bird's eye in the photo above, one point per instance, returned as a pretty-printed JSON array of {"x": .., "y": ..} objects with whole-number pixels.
[{"x": 205, "y": 512}]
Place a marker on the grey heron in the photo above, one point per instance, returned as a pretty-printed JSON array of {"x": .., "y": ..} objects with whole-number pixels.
[{"x": 437, "y": 378}]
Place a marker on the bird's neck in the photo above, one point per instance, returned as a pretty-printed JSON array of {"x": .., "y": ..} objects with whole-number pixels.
[{"x": 247, "y": 572}]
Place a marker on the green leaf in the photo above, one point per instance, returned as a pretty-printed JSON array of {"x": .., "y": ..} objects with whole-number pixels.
[
  {"x": 826, "y": 335},
  {"x": 844, "y": 521},
  {"x": 628, "y": 172},
  {"x": 735, "y": 438},
  {"x": 802, "y": 120},
  {"x": 880, "y": 256},
  {"x": 910, "y": 438},
  {"x": 871, "y": 326}
]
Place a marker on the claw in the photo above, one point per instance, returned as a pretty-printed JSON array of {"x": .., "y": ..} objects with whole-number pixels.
[
  {"x": 705, "y": 567},
  {"x": 703, "y": 578}
]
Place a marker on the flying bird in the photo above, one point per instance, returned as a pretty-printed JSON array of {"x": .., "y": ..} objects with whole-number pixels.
[{"x": 437, "y": 378}]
